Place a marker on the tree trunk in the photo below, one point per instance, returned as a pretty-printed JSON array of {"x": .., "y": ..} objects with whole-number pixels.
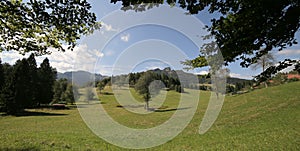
[
  {"x": 266, "y": 85},
  {"x": 146, "y": 105}
]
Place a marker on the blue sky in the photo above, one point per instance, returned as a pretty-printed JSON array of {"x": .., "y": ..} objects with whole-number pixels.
[{"x": 132, "y": 42}]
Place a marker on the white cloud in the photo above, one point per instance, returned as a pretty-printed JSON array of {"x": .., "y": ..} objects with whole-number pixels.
[
  {"x": 289, "y": 52},
  {"x": 113, "y": 70},
  {"x": 108, "y": 27},
  {"x": 288, "y": 69},
  {"x": 125, "y": 37},
  {"x": 153, "y": 67},
  {"x": 109, "y": 53},
  {"x": 202, "y": 73},
  {"x": 11, "y": 56},
  {"x": 81, "y": 58},
  {"x": 237, "y": 75}
]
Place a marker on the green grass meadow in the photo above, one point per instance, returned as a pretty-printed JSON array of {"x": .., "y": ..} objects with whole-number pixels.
[{"x": 264, "y": 119}]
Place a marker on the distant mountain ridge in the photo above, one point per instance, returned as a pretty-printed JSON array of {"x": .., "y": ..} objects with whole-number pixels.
[{"x": 80, "y": 78}]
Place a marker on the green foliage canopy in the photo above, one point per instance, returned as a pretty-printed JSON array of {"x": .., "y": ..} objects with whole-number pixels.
[
  {"x": 37, "y": 25},
  {"x": 245, "y": 30}
]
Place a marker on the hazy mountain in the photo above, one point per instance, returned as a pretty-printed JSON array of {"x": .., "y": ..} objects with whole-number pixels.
[{"x": 80, "y": 77}]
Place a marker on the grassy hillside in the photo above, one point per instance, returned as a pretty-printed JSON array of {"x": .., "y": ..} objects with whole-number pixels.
[{"x": 265, "y": 119}]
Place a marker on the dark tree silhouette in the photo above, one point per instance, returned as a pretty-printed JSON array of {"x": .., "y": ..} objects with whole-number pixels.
[
  {"x": 34, "y": 80},
  {"x": 47, "y": 77},
  {"x": 7, "y": 97},
  {"x": 1, "y": 75},
  {"x": 25, "y": 86}
]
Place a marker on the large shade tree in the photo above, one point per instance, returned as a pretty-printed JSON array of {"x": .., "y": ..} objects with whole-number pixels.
[
  {"x": 36, "y": 25},
  {"x": 245, "y": 30}
]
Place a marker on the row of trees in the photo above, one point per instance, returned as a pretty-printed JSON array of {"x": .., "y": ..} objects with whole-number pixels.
[{"x": 24, "y": 85}]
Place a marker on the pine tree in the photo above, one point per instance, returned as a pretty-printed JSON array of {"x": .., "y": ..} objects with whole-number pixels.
[
  {"x": 47, "y": 77},
  {"x": 8, "y": 99},
  {"x": 1, "y": 84},
  {"x": 7, "y": 95},
  {"x": 34, "y": 81},
  {"x": 22, "y": 84},
  {"x": 1, "y": 75},
  {"x": 68, "y": 95}
]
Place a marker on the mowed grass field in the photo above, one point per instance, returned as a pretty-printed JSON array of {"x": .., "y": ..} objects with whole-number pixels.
[{"x": 265, "y": 119}]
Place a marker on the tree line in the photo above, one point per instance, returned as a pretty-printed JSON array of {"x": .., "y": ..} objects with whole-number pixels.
[
  {"x": 171, "y": 83},
  {"x": 24, "y": 85}
]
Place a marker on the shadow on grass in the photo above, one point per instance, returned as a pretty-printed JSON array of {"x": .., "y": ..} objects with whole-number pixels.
[
  {"x": 130, "y": 106},
  {"x": 34, "y": 113},
  {"x": 107, "y": 93},
  {"x": 155, "y": 109},
  {"x": 185, "y": 92},
  {"x": 168, "y": 110},
  {"x": 20, "y": 149},
  {"x": 85, "y": 105}
]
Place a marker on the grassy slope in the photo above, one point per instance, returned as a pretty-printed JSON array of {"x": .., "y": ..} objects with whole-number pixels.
[{"x": 263, "y": 119}]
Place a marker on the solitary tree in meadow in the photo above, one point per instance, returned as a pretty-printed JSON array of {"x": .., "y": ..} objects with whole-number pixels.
[
  {"x": 148, "y": 87},
  {"x": 264, "y": 62},
  {"x": 142, "y": 87}
]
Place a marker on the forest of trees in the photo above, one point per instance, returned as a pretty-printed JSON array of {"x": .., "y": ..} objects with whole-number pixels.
[
  {"x": 170, "y": 82},
  {"x": 24, "y": 85}
]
